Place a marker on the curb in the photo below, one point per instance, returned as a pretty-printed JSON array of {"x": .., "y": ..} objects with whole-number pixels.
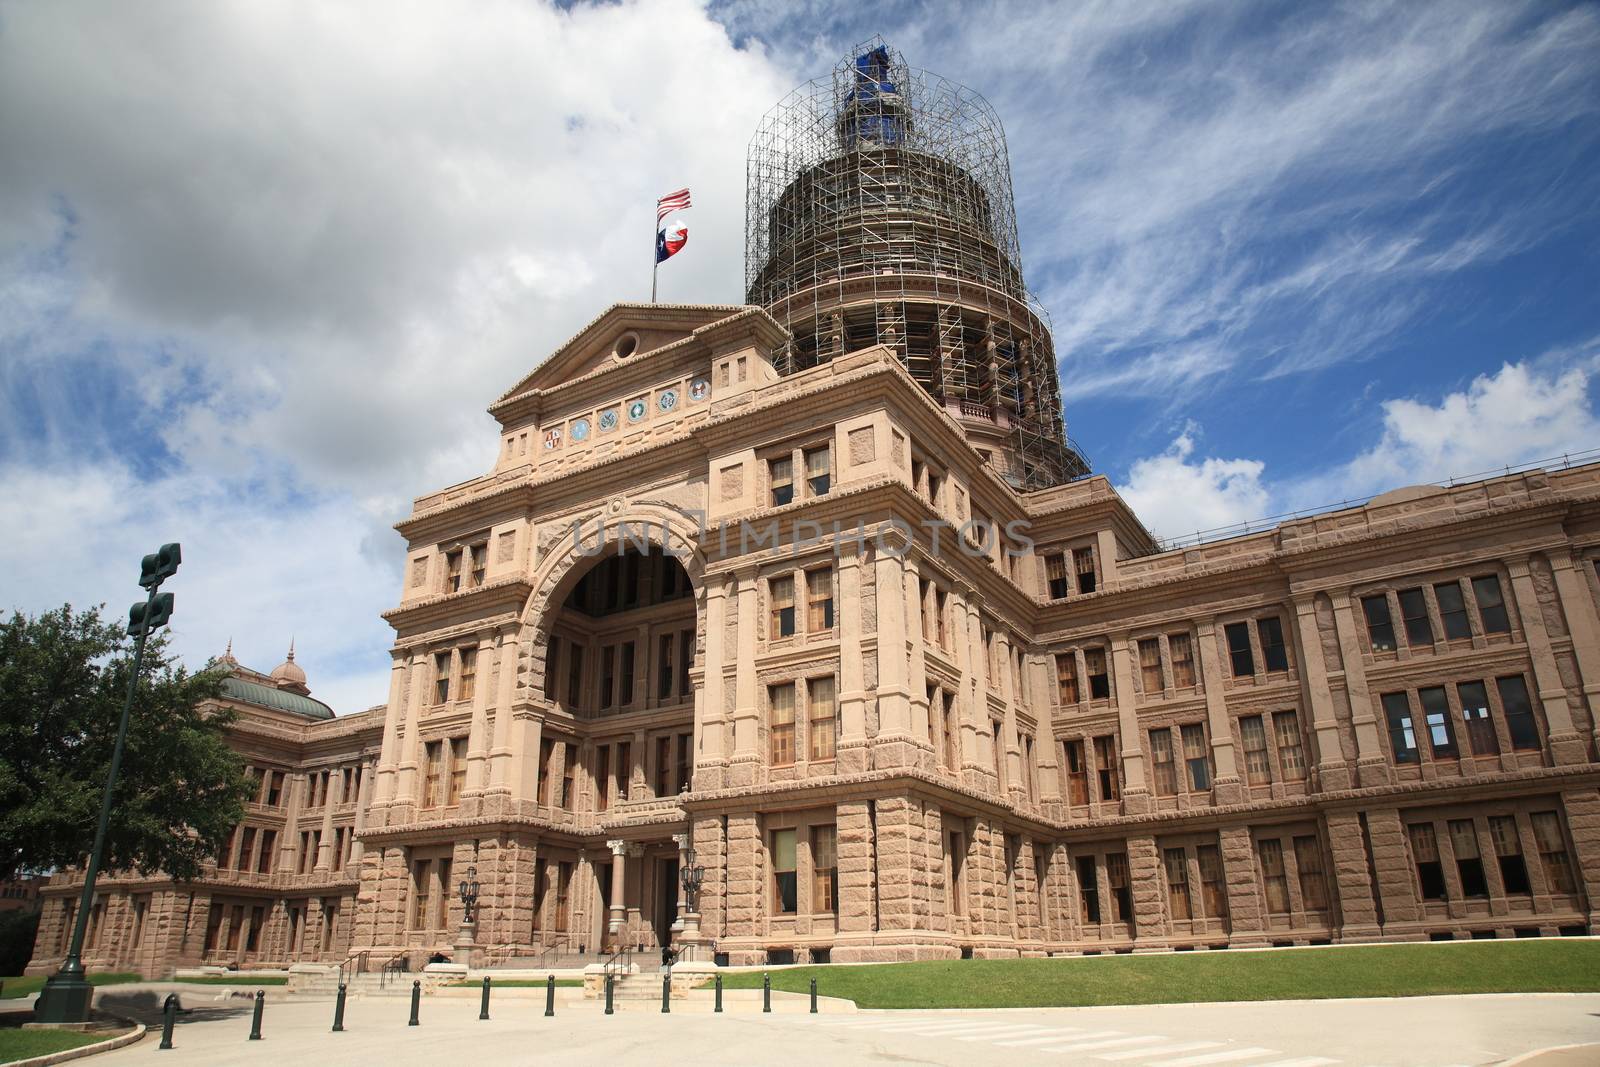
[
  {"x": 109, "y": 1044},
  {"x": 1554, "y": 1052}
]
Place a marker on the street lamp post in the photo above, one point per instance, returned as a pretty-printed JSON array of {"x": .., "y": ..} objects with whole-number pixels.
[
  {"x": 469, "y": 894},
  {"x": 66, "y": 995},
  {"x": 693, "y": 876}
]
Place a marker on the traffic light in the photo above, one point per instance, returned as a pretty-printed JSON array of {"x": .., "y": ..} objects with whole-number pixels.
[
  {"x": 161, "y": 565},
  {"x": 147, "y": 618}
]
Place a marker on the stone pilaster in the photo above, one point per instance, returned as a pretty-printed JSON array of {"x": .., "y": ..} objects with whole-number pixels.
[
  {"x": 1135, "y": 790},
  {"x": 1227, "y": 789},
  {"x": 1146, "y": 882},
  {"x": 1566, "y": 747},
  {"x": 1372, "y": 762},
  {"x": 1357, "y": 911},
  {"x": 1391, "y": 858},
  {"x": 1331, "y": 772}
]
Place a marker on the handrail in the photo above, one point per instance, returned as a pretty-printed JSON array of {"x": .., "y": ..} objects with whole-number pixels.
[
  {"x": 354, "y": 965},
  {"x": 397, "y": 964},
  {"x": 620, "y": 962}
]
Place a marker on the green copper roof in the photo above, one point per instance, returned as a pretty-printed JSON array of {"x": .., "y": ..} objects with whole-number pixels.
[{"x": 280, "y": 699}]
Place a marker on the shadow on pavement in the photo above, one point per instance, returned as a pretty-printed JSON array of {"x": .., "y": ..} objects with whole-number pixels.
[{"x": 145, "y": 1006}]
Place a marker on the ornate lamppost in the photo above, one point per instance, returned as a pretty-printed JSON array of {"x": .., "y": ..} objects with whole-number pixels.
[
  {"x": 693, "y": 875},
  {"x": 468, "y": 891}
]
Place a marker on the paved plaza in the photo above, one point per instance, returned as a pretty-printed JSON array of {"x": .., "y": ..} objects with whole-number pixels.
[{"x": 1420, "y": 1032}]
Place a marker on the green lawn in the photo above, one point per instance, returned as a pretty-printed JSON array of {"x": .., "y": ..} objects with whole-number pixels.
[
  {"x": 24, "y": 1044},
  {"x": 235, "y": 980},
  {"x": 17, "y": 987},
  {"x": 1188, "y": 977}
]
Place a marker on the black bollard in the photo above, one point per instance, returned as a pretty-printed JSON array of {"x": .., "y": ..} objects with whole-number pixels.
[
  {"x": 719, "y": 994},
  {"x": 766, "y": 992},
  {"x": 813, "y": 996},
  {"x": 255, "y": 1020},
  {"x": 666, "y": 994},
  {"x": 416, "y": 1002},
  {"x": 483, "y": 1011},
  {"x": 550, "y": 996},
  {"x": 169, "y": 1016},
  {"x": 609, "y": 1009},
  {"x": 338, "y": 1011}
]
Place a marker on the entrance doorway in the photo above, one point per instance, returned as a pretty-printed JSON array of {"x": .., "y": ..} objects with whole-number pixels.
[{"x": 666, "y": 900}]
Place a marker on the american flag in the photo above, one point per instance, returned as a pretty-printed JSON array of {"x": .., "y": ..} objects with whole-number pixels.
[{"x": 672, "y": 202}]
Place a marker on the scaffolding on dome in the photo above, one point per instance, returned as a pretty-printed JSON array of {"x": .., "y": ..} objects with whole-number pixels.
[{"x": 879, "y": 211}]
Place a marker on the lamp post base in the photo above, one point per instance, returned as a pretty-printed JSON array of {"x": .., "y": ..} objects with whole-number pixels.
[{"x": 65, "y": 999}]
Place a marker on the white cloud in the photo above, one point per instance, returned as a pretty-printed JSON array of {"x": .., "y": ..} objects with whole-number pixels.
[{"x": 1175, "y": 496}]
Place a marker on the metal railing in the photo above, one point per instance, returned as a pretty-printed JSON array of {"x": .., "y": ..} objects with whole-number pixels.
[
  {"x": 354, "y": 965},
  {"x": 396, "y": 965},
  {"x": 620, "y": 962}
]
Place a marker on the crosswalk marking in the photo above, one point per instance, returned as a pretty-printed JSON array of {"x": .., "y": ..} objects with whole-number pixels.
[
  {"x": 1085, "y": 1046},
  {"x": 1165, "y": 1050},
  {"x": 1054, "y": 1035},
  {"x": 1304, "y": 1061},
  {"x": 1093, "y": 1036},
  {"x": 1014, "y": 1031},
  {"x": 926, "y": 1027},
  {"x": 986, "y": 1029},
  {"x": 1229, "y": 1056}
]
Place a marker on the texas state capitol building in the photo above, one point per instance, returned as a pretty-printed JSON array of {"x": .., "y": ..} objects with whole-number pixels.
[{"x": 881, "y": 740}]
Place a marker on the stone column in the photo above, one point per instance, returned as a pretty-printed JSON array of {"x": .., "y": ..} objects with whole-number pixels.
[
  {"x": 1583, "y": 824},
  {"x": 1391, "y": 857},
  {"x": 1227, "y": 789},
  {"x": 478, "y": 738},
  {"x": 917, "y": 665},
  {"x": 363, "y": 799},
  {"x": 1566, "y": 747},
  {"x": 1358, "y": 912},
  {"x": 324, "y": 862},
  {"x": 851, "y": 757},
  {"x": 894, "y": 746},
  {"x": 1579, "y": 608},
  {"x": 1010, "y": 759},
  {"x": 297, "y": 786},
  {"x": 745, "y": 766},
  {"x": 500, "y": 746},
  {"x": 1147, "y": 888},
  {"x": 618, "y": 909},
  {"x": 389, "y": 751},
  {"x": 972, "y": 702},
  {"x": 411, "y": 742},
  {"x": 1331, "y": 770},
  {"x": 710, "y": 706},
  {"x": 1372, "y": 763},
  {"x": 1135, "y": 793},
  {"x": 1245, "y": 918}
]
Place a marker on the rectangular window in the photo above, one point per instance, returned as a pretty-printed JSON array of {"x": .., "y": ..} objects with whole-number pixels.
[
  {"x": 783, "y": 872},
  {"x": 625, "y": 674},
  {"x": 458, "y": 770},
  {"x": 819, "y": 598},
  {"x": 780, "y": 701},
  {"x": 664, "y": 758},
  {"x": 819, "y": 470},
  {"x": 574, "y": 675},
  {"x": 1105, "y": 758},
  {"x": 1182, "y": 650},
  {"x": 1083, "y": 563},
  {"x": 1067, "y": 677},
  {"x": 1414, "y": 614},
  {"x": 1077, "y": 773},
  {"x": 686, "y": 643},
  {"x": 452, "y": 571},
  {"x": 569, "y": 772},
  {"x": 952, "y": 734},
  {"x": 433, "y": 776},
  {"x": 602, "y": 777},
  {"x": 480, "y": 563},
  {"x": 782, "y": 594},
  {"x": 441, "y": 678},
  {"x": 1425, "y": 853},
  {"x": 1475, "y": 713},
  {"x": 1253, "y": 739},
  {"x": 1469, "y": 861},
  {"x": 822, "y": 722},
  {"x": 1380, "y": 627},
  {"x": 941, "y": 601},
  {"x": 1177, "y": 864},
  {"x": 1491, "y": 605},
  {"x": 1197, "y": 757},
  {"x": 1055, "y": 575},
  {"x": 1313, "y": 879},
  {"x": 1088, "y": 891},
  {"x": 1291, "y": 754},
  {"x": 1452, "y": 611},
  {"x": 551, "y": 659},
  {"x": 547, "y": 750},
  {"x": 782, "y": 477},
  {"x": 1163, "y": 770},
  {"x": 1094, "y": 663},
  {"x": 1273, "y": 877},
  {"x": 469, "y": 674},
  {"x": 1213, "y": 889},
  {"x": 1117, "y": 879},
  {"x": 1508, "y": 850},
  {"x": 1240, "y": 658},
  {"x": 1273, "y": 652},
  {"x": 269, "y": 845},
  {"x": 1553, "y": 852},
  {"x": 1518, "y": 711},
  {"x": 608, "y": 675},
  {"x": 624, "y": 769},
  {"x": 824, "y": 869},
  {"x": 1150, "y": 665},
  {"x": 1436, "y": 713},
  {"x": 664, "y": 672},
  {"x": 1402, "y": 736}
]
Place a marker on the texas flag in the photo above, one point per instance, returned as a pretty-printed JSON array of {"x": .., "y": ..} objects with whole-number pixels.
[{"x": 671, "y": 240}]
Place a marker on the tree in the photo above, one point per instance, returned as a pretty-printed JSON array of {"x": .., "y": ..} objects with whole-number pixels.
[{"x": 181, "y": 791}]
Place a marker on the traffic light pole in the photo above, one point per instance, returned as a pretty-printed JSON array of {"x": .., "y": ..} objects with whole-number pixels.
[{"x": 66, "y": 995}]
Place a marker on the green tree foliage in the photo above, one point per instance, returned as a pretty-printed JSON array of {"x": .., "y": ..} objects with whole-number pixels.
[{"x": 181, "y": 790}]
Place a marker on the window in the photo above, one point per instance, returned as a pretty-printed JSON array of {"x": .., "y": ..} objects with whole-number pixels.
[
  {"x": 1055, "y": 573},
  {"x": 952, "y": 734},
  {"x": 1213, "y": 890},
  {"x": 1083, "y": 563},
  {"x": 824, "y": 868},
  {"x": 1161, "y": 763},
  {"x": 1491, "y": 605},
  {"x": 1469, "y": 862},
  {"x": 1508, "y": 850},
  {"x": 782, "y": 593},
  {"x": 1105, "y": 758},
  {"x": 1182, "y": 650},
  {"x": 1273, "y": 877},
  {"x": 1273, "y": 652},
  {"x": 452, "y": 571},
  {"x": 1197, "y": 756},
  {"x": 1094, "y": 663},
  {"x": 783, "y": 872},
  {"x": 1117, "y": 879},
  {"x": 1077, "y": 773},
  {"x": 434, "y": 775},
  {"x": 822, "y": 717},
  {"x": 247, "y": 844},
  {"x": 1475, "y": 712},
  {"x": 624, "y": 769},
  {"x": 441, "y": 678},
  {"x": 552, "y": 657},
  {"x": 1240, "y": 658},
  {"x": 1313, "y": 879},
  {"x": 608, "y": 675},
  {"x": 1553, "y": 852},
  {"x": 1150, "y": 665},
  {"x": 664, "y": 755},
  {"x": 1253, "y": 739},
  {"x": 956, "y": 850},
  {"x": 819, "y": 470},
  {"x": 1518, "y": 711},
  {"x": 1380, "y": 627},
  {"x": 1088, "y": 891},
  {"x": 458, "y": 770},
  {"x": 275, "y": 789},
  {"x": 819, "y": 597},
  {"x": 269, "y": 845},
  {"x": 781, "y": 472},
  {"x": 1452, "y": 611},
  {"x": 780, "y": 699},
  {"x": 1436, "y": 713},
  {"x": 1177, "y": 865},
  {"x": 1067, "y": 677},
  {"x": 1402, "y": 737},
  {"x": 1414, "y": 613},
  {"x": 1291, "y": 755},
  {"x": 625, "y": 675},
  {"x": 480, "y": 562},
  {"x": 940, "y": 603},
  {"x": 469, "y": 674},
  {"x": 1425, "y": 853}
]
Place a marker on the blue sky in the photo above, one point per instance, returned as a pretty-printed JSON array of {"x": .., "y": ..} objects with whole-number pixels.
[{"x": 262, "y": 267}]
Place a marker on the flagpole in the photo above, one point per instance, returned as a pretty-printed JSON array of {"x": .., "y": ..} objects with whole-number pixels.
[{"x": 655, "y": 258}]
